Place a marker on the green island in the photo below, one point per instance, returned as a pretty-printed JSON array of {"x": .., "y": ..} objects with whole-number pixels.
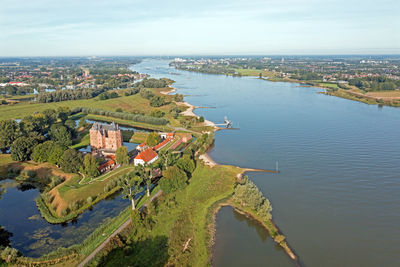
[{"x": 169, "y": 220}]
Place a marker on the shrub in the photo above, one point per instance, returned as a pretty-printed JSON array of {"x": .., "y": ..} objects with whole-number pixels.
[
  {"x": 157, "y": 113},
  {"x": 173, "y": 179},
  {"x": 9, "y": 255},
  {"x": 28, "y": 173},
  {"x": 247, "y": 194},
  {"x": 157, "y": 101}
]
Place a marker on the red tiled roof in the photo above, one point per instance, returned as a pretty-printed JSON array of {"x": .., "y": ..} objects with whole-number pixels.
[
  {"x": 142, "y": 144},
  {"x": 147, "y": 155},
  {"x": 106, "y": 164},
  {"x": 163, "y": 143}
]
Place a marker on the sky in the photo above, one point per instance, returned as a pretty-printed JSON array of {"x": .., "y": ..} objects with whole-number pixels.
[{"x": 206, "y": 27}]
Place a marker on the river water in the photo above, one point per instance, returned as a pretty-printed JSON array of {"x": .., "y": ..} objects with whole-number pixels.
[{"x": 337, "y": 197}]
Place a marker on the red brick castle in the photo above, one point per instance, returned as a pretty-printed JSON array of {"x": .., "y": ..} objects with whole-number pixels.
[{"x": 105, "y": 138}]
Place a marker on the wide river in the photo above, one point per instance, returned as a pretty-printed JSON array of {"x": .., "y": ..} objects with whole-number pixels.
[{"x": 337, "y": 197}]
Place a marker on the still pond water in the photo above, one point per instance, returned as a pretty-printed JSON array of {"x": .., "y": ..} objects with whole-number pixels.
[
  {"x": 337, "y": 198},
  {"x": 33, "y": 236}
]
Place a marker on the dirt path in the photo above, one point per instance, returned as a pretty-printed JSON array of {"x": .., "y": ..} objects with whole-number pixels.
[{"x": 119, "y": 230}]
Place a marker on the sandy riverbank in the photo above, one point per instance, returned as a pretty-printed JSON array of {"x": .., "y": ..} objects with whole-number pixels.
[
  {"x": 208, "y": 160},
  {"x": 169, "y": 91},
  {"x": 189, "y": 112}
]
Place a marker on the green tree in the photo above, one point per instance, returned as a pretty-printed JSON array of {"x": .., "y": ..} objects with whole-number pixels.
[
  {"x": 173, "y": 179},
  {"x": 153, "y": 139},
  {"x": 8, "y": 134},
  {"x": 167, "y": 159},
  {"x": 63, "y": 113},
  {"x": 9, "y": 255},
  {"x": 130, "y": 184},
  {"x": 70, "y": 124},
  {"x": 82, "y": 122},
  {"x": 90, "y": 166},
  {"x": 178, "y": 98},
  {"x": 157, "y": 101},
  {"x": 56, "y": 154},
  {"x": 146, "y": 174},
  {"x": 71, "y": 161},
  {"x": 121, "y": 155},
  {"x": 186, "y": 164},
  {"x": 60, "y": 135},
  {"x": 22, "y": 148},
  {"x": 42, "y": 151}
]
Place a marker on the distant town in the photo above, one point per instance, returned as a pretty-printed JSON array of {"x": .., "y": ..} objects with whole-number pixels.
[{"x": 369, "y": 79}]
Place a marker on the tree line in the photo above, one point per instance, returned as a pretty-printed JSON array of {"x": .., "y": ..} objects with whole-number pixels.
[
  {"x": 375, "y": 83},
  {"x": 125, "y": 116},
  {"x": 69, "y": 94}
]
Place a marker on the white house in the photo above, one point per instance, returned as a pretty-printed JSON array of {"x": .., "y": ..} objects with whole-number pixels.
[{"x": 147, "y": 156}]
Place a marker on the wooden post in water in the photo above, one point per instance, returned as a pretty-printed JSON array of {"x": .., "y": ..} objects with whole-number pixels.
[{"x": 277, "y": 167}]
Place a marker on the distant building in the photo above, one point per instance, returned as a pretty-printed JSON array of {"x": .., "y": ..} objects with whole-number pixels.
[
  {"x": 147, "y": 156},
  {"x": 105, "y": 138},
  {"x": 167, "y": 135}
]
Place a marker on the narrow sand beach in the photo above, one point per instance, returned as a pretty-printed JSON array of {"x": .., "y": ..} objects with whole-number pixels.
[
  {"x": 208, "y": 160},
  {"x": 169, "y": 91},
  {"x": 189, "y": 112}
]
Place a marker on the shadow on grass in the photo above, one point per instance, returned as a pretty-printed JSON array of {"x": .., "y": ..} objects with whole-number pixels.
[{"x": 148, "y": 252}]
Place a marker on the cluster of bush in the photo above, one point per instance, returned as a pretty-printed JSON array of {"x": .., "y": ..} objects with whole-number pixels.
[
  {"x": 175, "y": 111},
  {"x": 126, "y": 116},
  {"x": 106, "y": 95},
  {"x": 111, "y": 185},
  {"x": 202, "y": 143},
  {"x": 152, "y": 83},
  {"x": 248, "y": 195},
  {"x": 176, "y": 175},
  {"x": 380, "y": 83},
  {"x": 155, "y": 101},
  {"x": 131, "y": 91}
]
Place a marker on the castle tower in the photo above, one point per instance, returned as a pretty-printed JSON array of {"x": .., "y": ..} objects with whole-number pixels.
[{"x": 105, "y": 137}]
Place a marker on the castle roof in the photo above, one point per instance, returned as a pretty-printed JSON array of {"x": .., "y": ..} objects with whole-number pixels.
[{"x": 108, "y": 127}]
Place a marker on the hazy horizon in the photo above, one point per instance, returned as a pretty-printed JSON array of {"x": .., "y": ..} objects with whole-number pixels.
[{"x": 199, "y": 28}]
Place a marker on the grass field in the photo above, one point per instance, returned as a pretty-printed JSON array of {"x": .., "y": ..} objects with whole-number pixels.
[
  {"x": 251, "y": 72},
  {"x": 42, "y": 170},
  {"x": 139, "y": 137},
  {"x": 75, "y": 190},
  {"x": 188, "y": 218},
  {"x": 133, "y": 103},
  {"x": 385, "y": 94},
  {"x": 5, "y": 160},
  {"x": 329, "y": 85}
]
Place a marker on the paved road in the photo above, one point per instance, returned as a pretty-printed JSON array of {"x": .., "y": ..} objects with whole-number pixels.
[{"x": 122, "y": 227}]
